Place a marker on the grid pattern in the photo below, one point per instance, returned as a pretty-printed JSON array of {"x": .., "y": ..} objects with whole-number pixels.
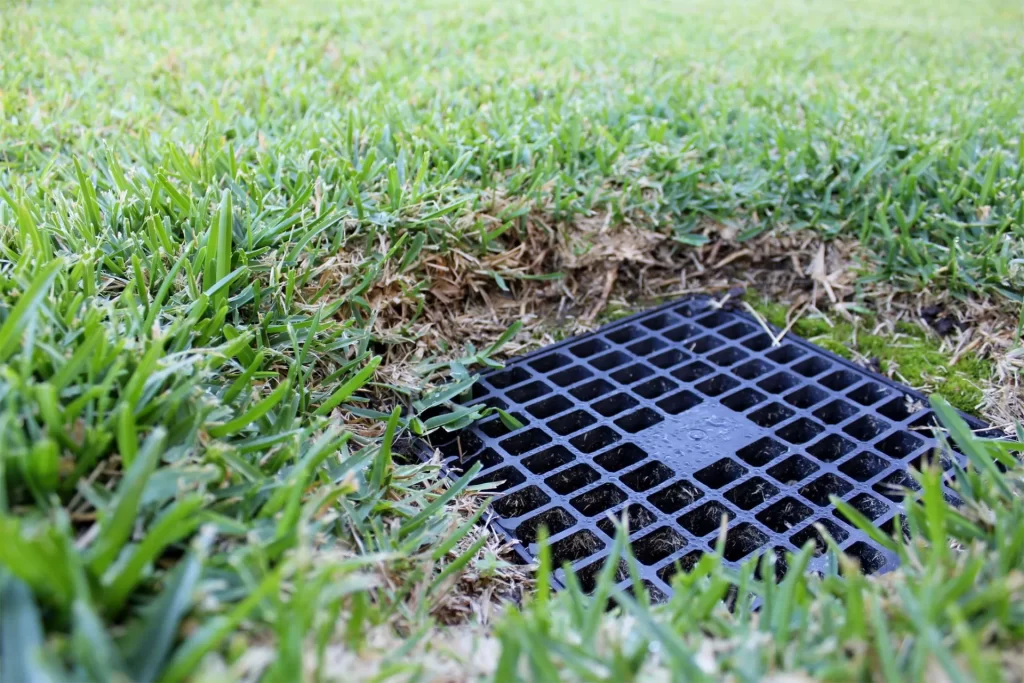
[{"x": 683, "y": 415}]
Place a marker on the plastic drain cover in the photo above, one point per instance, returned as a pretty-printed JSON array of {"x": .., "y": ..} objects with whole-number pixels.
[{"x": 685, "y": 414}]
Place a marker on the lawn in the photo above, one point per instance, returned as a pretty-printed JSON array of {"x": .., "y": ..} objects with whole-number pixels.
[{"x": 242, "y": 243}]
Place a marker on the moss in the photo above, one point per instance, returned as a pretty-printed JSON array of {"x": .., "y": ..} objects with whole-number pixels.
[{"x": 914, "y": 355}]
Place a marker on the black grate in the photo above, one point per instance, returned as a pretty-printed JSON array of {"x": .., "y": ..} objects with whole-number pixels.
[{"x": 686, "y": 414}]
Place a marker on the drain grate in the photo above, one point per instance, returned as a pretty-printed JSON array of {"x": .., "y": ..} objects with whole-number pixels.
[{"x": 686, "y": 414}]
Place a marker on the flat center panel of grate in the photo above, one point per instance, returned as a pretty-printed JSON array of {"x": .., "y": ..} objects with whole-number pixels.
[{"x": 682, "y": 415}]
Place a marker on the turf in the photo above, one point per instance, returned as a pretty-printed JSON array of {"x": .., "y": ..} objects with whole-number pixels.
[{"x": 206, "y": 210}]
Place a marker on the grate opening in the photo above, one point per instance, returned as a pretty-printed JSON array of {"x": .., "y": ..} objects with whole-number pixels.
[
  {"x": 781, "y": 564},
  {"x": 556, "y": 520},
  {"x": 647, "y": 476},
  {"x": 655, "y": 387},
  {"x": 620, "y": 457},
  {"x": 793, "y": 470},
  {"x": 592, "y": 390},
  {"x": 677, "y": 418},
  {"x": 752, "y": 493},
  {"x": 637, "y": 517},
  {"x": 657, "y": 545},
  {"x": 785, "y": 515},
  {"x": 591, "y": 574},
  {"x": 569, "y": 376},
  {"x": 549, "y": 459},
  {"x": 762, "y": 451},
  {"x": 675, "y": 496},
  {"x": 598, "y": 500},
  {"x": 721, "y": 473},
  {"x": 576, "y": 477},
  {"x": 706, "y": 518}
]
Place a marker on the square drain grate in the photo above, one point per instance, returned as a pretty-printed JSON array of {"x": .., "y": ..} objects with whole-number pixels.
[{"x": 685, "y": 414}]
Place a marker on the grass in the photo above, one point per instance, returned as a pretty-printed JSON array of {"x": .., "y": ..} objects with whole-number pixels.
[{"x": 223, "y": 227}]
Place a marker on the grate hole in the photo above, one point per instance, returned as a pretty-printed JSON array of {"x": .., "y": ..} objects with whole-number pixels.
[
  {"x": 693, "y": 371},
  {"x": 549, "y": 362},
  {"x": 778, "y": 383},
  {"x": 869, "y": 393},
  {"x": 615, "y": 404},
  {"x": 751, "y": 493},
  {"x": 592, "y": 390},
  {"x": 686, "y": 563},
  {"x": 781, "y": 564},
  {"x": 669, "y": 359},
  {"x": 494, "y": 402},
  {"x": 487, "y": 459},
  {"x": 835, "y": 412},
  {"x": 827, "y": 485},
  {"x": 575, "y": 547},
  {"x": 899, "y": 445},
  {"x": 741, "y": 540},
  {"x": 679, "y": 402},
  {"x": 655, "y": 387},
  {"x": 901, "y": 408},
  {"x": 720, "y": 473},
  {"x": 521, "y": 502},
  {"x": 675, "y": 496},
  {"x": 610, "y": 360},
  {"x": 743, "y": 399},
  {"x": 839, "y": 380},
  {"x": 549, "y": 406},
  {"x": 784, "y": 515},
  {"x": 800, "y": 431},
  {"x": 657, "y": 545},
  {"x": 576, "y": 477},
  {"x": 759, "y": 343},
  {"x": 895, "y": 486},
  {"x": 639, "y": 421},
  {"x": 573, "y": 422},
  {"x": 927, "y": 426},
  {"x": 705, "y": 344},
  {"x": 719, "y": 384},
  {"x": 811, "y": 533},
  {"x": 738, "y": 331},
  {"x": 637, "y": 517},
  {"x": 771, "y": 415},
  {"x": 496, "y": 428},
  {"x": 831, "y": 448},
  {"x": 620, "y": 457},
  {"x": 646, "y": 346},
  {"x": 595, "y": 439},
  {"x": 716, "y": 319},
  {"x": 590, "y": 348},
  {"x": 556, "y": 520},
  {"x": 660, "y": 321},
  {"x": 813, "y": 366},
  {"x": 524, "y": 442},
  {"x": 462, "y": 446},
  {"x": 762, "y": 451},
  {"x": 806, "y": 397},
  {"x": 598, "y": 500},
  {"x": 549, "y": 459},
  {"x": 528, "y": 392},
  {"x": 681, "y": 333},
  {"x": 785, "y": 354},
  {"x": 867, "y": 505},
  {"x": 591, "y": 574},
  {"x": 506, "y": 378},
  {"x": 752, "y": 369},
  {"x": 654, "y": 593},
  {"x": 728, "y": 356},
  {"x": 625, "y": 334},
  {"x": 576, "y": 373},
  {"x": 792, "y": 470},
  {"x": 705, "y": 519},
  {"x": 647, "y": 476},
  {"x": 631, "y": 374},
  {"x": 864, "y": 466},
  {"x": 866, "y": 428},
  {"x": 870, "y": 558}
]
